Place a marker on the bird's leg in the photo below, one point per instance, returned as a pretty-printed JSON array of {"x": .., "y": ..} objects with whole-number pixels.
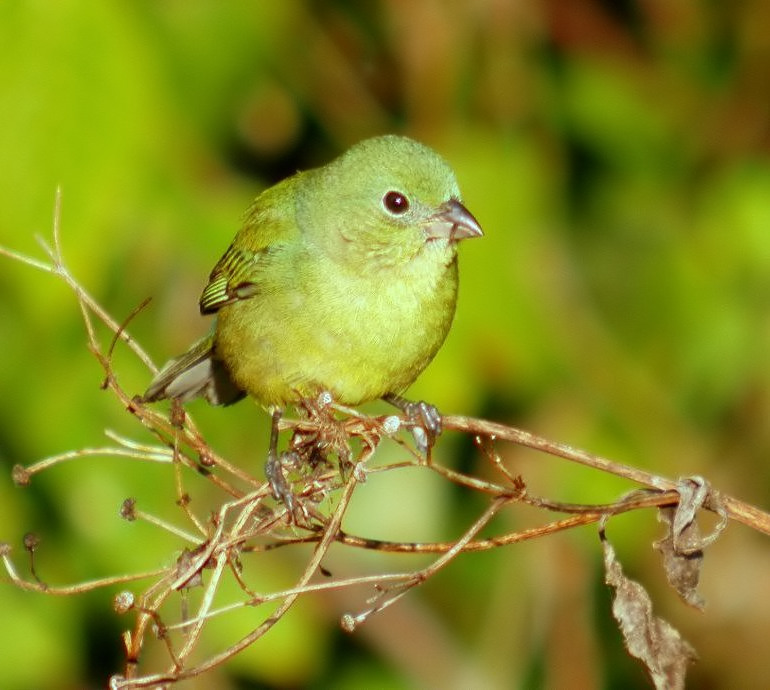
[
  {"x": 424, "y": 418},
  {"x": 274, "y": 467}
]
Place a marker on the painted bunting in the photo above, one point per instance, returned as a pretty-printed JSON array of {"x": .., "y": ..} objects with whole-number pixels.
[{"x": 342, "y": 279}]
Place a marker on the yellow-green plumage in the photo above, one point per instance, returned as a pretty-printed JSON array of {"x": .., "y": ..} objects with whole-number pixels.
[{"x": 333, "y": 284}]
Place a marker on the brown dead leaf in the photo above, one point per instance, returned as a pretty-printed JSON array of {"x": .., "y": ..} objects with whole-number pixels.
[
  {"x": 652, "y": 640},
  {"x": 682, "y": 547}
]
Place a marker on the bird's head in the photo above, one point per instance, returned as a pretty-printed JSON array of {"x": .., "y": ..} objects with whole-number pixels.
[{"x": 384, "y": 202}]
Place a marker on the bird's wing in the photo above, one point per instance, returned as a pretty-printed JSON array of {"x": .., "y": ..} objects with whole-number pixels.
[
  {"x": 270, "y": 229},
  {"x": 232, "y": 279}
]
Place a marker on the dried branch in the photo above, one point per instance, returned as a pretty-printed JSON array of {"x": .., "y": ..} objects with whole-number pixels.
[
  {"x": 335, "y": 447},
  {"x": 737, "y": 510}
]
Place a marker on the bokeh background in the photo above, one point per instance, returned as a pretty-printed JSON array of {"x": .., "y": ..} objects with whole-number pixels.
[{"x": 617, "y": 155}]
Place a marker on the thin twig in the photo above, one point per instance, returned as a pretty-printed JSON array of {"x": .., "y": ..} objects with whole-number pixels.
[
  {"x": 738, "y": 510},
  {"x": 249, "y": 521}
]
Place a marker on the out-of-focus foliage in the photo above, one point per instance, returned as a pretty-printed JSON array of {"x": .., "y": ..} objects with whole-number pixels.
[{"x": 618, "y": 157}]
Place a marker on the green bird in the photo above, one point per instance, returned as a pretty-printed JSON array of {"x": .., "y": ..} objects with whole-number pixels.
[{"x": 342, "y": 279}]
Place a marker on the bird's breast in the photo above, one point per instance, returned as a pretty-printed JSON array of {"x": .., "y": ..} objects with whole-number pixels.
[{"x": 358, "y": 334}]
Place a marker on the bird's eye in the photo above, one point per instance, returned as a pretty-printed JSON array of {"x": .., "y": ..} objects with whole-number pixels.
[{"x": 395, "y": 203}]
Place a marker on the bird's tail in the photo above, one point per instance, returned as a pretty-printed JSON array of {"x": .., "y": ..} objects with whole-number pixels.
[{"x": 196, "y": 373}]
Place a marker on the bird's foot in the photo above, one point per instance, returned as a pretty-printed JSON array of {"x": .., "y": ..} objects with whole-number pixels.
[
  {"x": 426, "y": 424},
  {"x": 275, "y": 471},
  {"x": 423, "y": 418}
]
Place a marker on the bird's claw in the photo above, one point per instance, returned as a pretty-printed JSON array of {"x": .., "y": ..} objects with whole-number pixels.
[
  {"x": 422, "y": 418},
  {"x": 425, "y": 421},
  {"x": 279, "y": 485}
]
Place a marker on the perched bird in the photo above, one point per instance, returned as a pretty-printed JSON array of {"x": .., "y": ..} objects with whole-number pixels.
[{"x": 342, "y": 279}]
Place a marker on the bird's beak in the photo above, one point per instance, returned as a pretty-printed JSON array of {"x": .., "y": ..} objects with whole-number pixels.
[{"x": 452, "y": 222}]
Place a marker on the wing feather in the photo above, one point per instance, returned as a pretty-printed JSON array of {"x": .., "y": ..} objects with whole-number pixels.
[
  {"x": 269, "y": 228},
  {"x": 231, "y": 280}
]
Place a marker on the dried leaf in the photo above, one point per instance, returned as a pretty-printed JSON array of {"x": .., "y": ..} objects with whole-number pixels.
[
  {"x": 659, "y": 646},
  {"x": 185, "y": 568},
  {"x": 682, "y": 547},
  {"x": 682, "y": 569}
]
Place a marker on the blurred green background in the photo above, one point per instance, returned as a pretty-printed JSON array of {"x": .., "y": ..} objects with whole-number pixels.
[{"x": 617, "y": 155}]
